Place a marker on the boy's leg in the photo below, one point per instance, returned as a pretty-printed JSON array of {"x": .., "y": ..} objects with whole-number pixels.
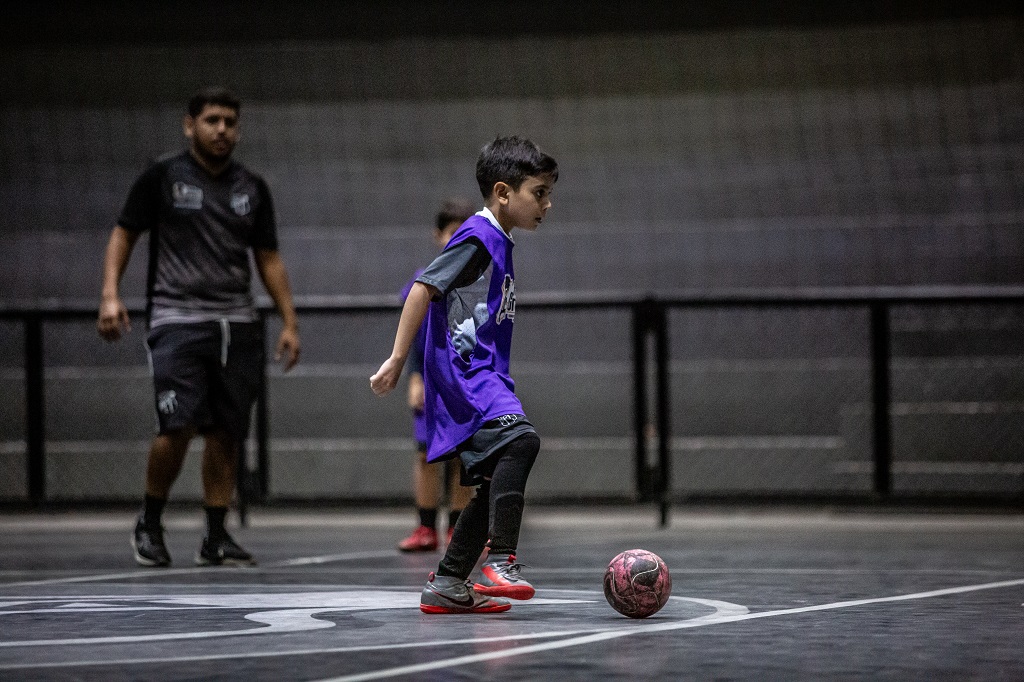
[
  {"x": 425, "y": 478},
  {"x": 427, "y": 490},
  {"x": 449, "y": 590},
  {"x": 508, "y": 486},
  {"x": 469, "y": 537},
  {"x": 458, "y": 496},
  {"x": 500, "y": 575}
]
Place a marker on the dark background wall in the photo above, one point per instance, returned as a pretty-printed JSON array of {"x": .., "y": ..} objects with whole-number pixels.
[{"x": 701, "y": 147}]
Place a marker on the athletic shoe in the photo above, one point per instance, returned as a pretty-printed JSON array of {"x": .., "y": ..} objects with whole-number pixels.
[
  {"x": 499, "y": 577},
  {"x": 224, "y": 552},
  {"x": 423, "y": 539},
  {"x": 148, "y": 545},
  {"x": 446, "y": 594}
]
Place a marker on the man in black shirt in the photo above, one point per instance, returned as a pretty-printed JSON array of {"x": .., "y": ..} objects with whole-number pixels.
[{"x": 204, "y": 213}]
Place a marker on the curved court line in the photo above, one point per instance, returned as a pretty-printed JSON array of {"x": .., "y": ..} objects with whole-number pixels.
[
  {"x": 278, "y": 620},
  {"x": 658, "y": 627},
  {"x": 295, "y": 652},
  {"x": 721, "y": 609}
]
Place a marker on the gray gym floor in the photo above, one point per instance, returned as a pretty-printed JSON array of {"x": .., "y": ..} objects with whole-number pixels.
[{"x": 757, "y": 594}]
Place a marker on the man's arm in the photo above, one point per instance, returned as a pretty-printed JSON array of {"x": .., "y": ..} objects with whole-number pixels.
[
  {"x": 275, "y": 279},
  {"x": 413, "y": 312},
  {"x": 113, "y": 315}
]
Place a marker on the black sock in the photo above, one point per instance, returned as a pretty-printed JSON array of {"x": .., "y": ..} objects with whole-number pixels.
[
  {"x": 428, "y": 517},
  {"x": 215, "y": 522},
  {"x": 453, "y": 517},
  {"x": 152, "y": 510}
]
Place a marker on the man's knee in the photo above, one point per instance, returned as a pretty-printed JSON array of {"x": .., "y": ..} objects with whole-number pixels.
[
  {"x": 220, "y": 442},
  {"x": 173, "y": 440}
]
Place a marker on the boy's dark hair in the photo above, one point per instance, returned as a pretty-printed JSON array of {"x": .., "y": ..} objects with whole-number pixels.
[
  {"x": 213, "y": 95},
  {"x": 454, "y": 211},
  {"x": 511, "y": 160}
]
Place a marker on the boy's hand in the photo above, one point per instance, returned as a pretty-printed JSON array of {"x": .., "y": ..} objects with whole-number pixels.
[{"x": 386, "y": 377}]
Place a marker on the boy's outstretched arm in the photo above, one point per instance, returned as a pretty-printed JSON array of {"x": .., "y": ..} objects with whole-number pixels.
[{"x": 413, "y": 312}]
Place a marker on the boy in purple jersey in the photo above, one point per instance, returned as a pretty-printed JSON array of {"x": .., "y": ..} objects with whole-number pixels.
[
  {"x": 427, "y": 478},
  {"x": 467, "y": 295}
]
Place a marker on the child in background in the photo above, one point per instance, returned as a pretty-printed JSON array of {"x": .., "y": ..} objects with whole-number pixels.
[{"x": 428, "y": 478}]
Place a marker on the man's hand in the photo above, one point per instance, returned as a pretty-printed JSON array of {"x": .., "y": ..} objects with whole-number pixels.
[
  {"x": 386, "y": 378},
  {"x": 288, "y": 347},
  {"x": 113, "y": 319}
]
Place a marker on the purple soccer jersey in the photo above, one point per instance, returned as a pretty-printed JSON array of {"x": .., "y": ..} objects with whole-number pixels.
[{"x": 468, "y": 346}]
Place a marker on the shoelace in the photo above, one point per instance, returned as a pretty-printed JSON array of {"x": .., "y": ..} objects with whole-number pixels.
[{"x": 512, "y": 567}]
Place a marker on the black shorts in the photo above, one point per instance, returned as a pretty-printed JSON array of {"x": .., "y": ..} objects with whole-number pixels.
[
  {"x": 206, "y": 375},
  {"x": 478, "y": 453}
]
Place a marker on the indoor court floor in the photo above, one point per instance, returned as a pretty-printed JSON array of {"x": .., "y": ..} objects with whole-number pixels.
[{"x": 758, "y": 594}]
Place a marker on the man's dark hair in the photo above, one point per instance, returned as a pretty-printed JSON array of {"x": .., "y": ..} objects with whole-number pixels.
[
  {"x": 213, "y": 95},
  {"x": 511, "y": 160},
  {"x": 454, "y": 211}
]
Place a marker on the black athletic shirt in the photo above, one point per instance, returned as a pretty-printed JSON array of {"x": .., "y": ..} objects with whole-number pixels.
[{"x": 201, "y": 230}]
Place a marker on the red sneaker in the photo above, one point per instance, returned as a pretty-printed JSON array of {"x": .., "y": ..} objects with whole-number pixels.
[
  {"x": 499, "y": 577},
  {"x": 423, "y": 539}
]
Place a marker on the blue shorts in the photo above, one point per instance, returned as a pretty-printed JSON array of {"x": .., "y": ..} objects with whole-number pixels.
[{"x": 206, "y": 375}]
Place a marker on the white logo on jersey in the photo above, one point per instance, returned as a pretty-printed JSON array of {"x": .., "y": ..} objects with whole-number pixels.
[
  {"x": 187, "y": 196},
  {"x": 507, "y": 311},
  {"x": 240, "y": 204},
  {"x": 167, "y": 402}
]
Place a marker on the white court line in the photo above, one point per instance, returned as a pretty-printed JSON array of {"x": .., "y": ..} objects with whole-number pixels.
[
  {"x": 298, "y": 652},
  {"x": 330, "y": 558},
  {"x": 721, "y": 608},
  {"x": 141, "y": 573},
  {"x": 659, "y": 627},
  {"x": 580, "y": 570},
  {"x": 160, "y": 572}
]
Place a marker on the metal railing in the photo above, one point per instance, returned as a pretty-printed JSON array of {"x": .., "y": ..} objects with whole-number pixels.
[{"x": 651, "y": 417}]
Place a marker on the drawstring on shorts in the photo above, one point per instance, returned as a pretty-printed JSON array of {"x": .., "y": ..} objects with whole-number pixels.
[{"x": 225, "y": 341}]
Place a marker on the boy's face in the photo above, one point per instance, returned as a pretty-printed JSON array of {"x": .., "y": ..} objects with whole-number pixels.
[{"x": 526, "y": 206}]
